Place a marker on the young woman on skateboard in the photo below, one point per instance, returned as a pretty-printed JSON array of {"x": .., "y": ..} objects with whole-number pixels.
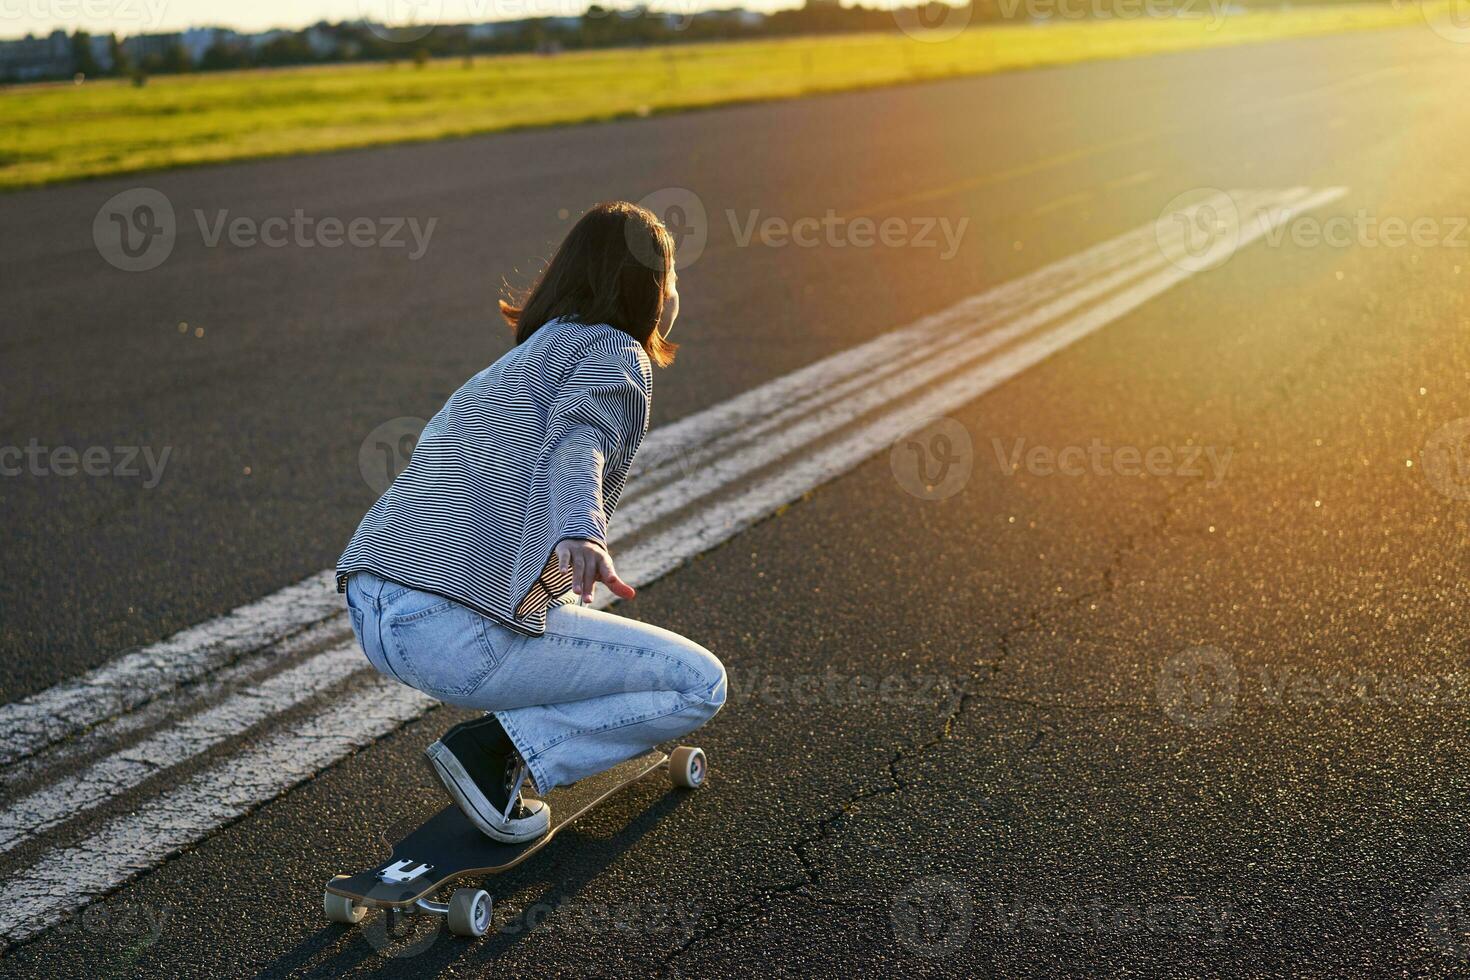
[{"x": 457, "y": 580}]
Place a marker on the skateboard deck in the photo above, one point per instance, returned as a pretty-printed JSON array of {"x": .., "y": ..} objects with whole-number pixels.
[{"x": 448, "y": 846}]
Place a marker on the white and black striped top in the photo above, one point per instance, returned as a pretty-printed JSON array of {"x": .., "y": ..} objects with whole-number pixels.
[{"x": 532, "y": 450}]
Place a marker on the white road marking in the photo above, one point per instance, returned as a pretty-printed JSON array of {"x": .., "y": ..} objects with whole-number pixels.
[
  {"x": 707, "y": 528},
  {"x": 66, "y": 877},
  {"x": 135, "y": 678},
  {"x": 715, "y": 464},
  {"x": 128, "y": 681},
  {"x": 977, "y": 349},
  {"x": 119, "y": 772}
]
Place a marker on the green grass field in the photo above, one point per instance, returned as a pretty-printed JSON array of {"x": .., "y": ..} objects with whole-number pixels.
[{"x": 63, "y": 132}]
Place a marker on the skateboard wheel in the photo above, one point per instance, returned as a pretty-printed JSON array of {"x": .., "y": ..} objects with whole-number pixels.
[
  {"x": 340, "y": 908},
  {"x": 469, "y": 912},
  {"x": 687, "y": 767}
]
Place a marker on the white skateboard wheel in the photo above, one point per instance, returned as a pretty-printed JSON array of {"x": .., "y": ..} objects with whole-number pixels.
[
  {"x": 687, "y": 767},
  {"x": 340, "y": 908},
  {"x": 469, "y": 912}
]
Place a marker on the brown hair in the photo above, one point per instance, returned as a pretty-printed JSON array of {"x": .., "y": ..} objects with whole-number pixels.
[{"x": 613, "y": 267}]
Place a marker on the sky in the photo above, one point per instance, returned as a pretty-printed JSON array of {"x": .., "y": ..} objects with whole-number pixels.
[{"x": 21, "y": 17}]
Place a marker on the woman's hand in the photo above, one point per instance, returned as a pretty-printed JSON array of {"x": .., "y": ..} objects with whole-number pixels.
[{"x": 590, "y": 563}]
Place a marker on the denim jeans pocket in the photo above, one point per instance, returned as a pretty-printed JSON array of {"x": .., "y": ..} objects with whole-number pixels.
[
  {"x": 446, "y": 650},
  {"x": 355, "y": 614}
]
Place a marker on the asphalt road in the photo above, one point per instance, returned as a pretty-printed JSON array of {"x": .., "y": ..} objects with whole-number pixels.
[{"x": 1200, "y": 722}]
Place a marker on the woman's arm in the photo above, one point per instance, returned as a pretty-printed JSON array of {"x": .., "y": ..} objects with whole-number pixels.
[{"x": 602, "y": 413}]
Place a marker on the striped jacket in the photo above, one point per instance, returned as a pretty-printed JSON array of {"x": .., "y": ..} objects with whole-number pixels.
[{"x": 532, "y": 450}]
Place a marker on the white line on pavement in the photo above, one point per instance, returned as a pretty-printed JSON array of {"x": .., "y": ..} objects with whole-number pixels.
[{"x": 66, "y": 876}]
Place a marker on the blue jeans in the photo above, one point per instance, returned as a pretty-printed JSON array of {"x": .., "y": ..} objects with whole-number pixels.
[{"x": 594, "y": 690}]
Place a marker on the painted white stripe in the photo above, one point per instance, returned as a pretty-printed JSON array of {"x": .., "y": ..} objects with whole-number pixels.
[
  {"x": 119, "y": 772},
  {"x": 131, "y": 680},
  {"x": 663, "y": 447},
  {"x": 127, "y": 845},
  {"x": 715, "y": 464},
  {"x": 98, "y": 740},
  {"x": 135, "y": 678},
  {"x": 41, "y": 894},
  {"x": 711, "y": 526}
]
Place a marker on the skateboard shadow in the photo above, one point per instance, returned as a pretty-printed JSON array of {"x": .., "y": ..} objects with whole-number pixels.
[{"x": 422, "y": 944}]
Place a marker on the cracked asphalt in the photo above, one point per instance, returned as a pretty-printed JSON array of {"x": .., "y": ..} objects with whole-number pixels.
[{"x": 1192, "y": 724}]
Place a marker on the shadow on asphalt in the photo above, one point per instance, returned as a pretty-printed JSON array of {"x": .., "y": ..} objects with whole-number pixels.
[{"x": 420, "y": 945}]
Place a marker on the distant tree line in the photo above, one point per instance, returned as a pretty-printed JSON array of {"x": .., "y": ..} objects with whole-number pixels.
[{"x": 209, "y": 49}]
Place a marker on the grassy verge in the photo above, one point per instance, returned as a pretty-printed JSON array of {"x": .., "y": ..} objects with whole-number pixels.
[{"x": 64, "y": 132}]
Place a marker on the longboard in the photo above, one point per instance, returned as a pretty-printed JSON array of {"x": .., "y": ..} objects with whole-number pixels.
[{"x": 447, "y": 846}]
